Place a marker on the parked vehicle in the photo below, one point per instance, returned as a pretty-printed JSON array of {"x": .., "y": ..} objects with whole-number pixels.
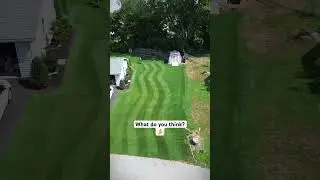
[
  {"x": 111, "y": 91},
  {"x": 5, "y": 95}
]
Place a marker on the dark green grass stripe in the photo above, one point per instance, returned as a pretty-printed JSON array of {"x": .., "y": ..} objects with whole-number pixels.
[
  {"x": 75, "y": 140},
  {"x": 175, "y": 110},
  {"x": 134, "y": 101},
  {"x": 162, "y": 145},
  {"x": 124, "y": 130},
  {"x": 139, "y": 89},
  {"x": 153, "y": 94},
  {"x": 142, "y": 71},
  {"x": 152, "y": 108},
  {"x": 119, "y": 126},
  {"x": 123, "y": 117},
  {"x": 148, "y": 94}
]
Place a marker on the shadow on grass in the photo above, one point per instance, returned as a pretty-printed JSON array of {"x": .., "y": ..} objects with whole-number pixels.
[
  {"x": 207, "y": 82},
  {"x": 311, "y": 69}
]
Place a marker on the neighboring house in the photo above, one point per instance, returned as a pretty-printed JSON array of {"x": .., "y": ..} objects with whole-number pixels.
[
  {"x": 118, "y": 69},
  {"x": 25, "y": 26}
]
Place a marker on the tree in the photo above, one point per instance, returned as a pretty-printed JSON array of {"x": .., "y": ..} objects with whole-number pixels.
[{"x": 161, "y": 24}]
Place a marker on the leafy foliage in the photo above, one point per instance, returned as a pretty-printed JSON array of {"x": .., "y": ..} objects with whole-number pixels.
[
  {"x": 122, "y": 85},
  {"x": 39, "y": 73},
  {"x": 161, "y": 25},
  {"x": 51, "y": 63},
  {"x": 61, "y": 30}
]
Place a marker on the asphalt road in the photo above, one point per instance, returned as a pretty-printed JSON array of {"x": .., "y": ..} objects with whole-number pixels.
[
  {"x": 13, "y": 113},
  {"x": 124, "y": 167}
]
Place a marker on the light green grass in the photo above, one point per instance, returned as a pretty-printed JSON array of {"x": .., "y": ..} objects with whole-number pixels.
[
  {"x": 61, "y": 134},
  {"x": 157, "y": 93},
  {"x": 197, "y": 91}
]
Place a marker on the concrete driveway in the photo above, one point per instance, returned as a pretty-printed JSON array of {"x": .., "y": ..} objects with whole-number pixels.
[
  {"x": 124, "y": 167},
  {"x": 13, "y": 112},
  {"x": 114, "y": 96}
]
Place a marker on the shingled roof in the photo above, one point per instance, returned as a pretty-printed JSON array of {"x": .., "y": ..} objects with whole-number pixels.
[{"x": 18, "y": 19}]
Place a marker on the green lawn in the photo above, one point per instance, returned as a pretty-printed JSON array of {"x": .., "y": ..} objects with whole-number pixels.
[
  {"x": 61, "y": 134},
  {"x": 262, "y": 113},
  {"x": 157, "y": 93}
]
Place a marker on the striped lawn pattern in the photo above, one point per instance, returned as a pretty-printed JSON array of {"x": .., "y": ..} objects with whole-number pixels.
[{"x": 156, "y": 93}]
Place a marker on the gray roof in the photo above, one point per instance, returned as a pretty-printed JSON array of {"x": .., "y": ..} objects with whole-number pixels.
[
  {"x": 19, "y": 19},
  {"x": 116, "y": 64}
]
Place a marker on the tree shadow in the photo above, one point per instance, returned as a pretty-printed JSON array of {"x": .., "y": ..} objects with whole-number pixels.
[{"x": 311, "y": 70}]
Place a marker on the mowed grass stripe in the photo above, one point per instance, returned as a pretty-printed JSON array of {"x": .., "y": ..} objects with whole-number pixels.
[
  {"x": 118, "y": 129},
  {"x": 165, "y": 90},
  {"x": 121, "y": 134},
  {"x": 153, "y": 93},
  {"x": 141, "y": 146},
  {"x": 143, "y": 134},
  {"x": 128, "y": 139},
  {"x": 151, "y": 108},
  {"x": 175, "y": 111},
  {"x": 164, "y": 93}
]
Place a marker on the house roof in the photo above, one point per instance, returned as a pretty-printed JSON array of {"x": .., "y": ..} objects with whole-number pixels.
[
  {"x": 19, "y": 19},
  {"x": 116, "y": 64}
]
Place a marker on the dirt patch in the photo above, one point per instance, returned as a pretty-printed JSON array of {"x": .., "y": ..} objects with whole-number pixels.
[
  {"x": 196, "y": 68},
  {"x": 267, "y": 26},
  {"x": 290, "y": 155},
  {"x": 201, "y": 115}
]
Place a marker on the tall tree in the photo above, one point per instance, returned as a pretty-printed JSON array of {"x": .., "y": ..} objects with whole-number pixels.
[{"x": 162, "y": 24}]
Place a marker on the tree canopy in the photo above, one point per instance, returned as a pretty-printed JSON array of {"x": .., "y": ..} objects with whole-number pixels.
[{"x": 161, "y": 24}]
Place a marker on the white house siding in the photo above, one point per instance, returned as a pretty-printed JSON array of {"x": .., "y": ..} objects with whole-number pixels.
[
  {"x": 24, "y": 56},
  {"x": 124, "y": 70},
  {"x": 123, "y": 73},
  {"x": 118, "y": 79},
  {"x": 48, "y": 15},
  {"x": 27, "y": 51}
]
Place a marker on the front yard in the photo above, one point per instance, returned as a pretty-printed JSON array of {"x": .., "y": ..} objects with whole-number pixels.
[
  {"x": 158, "y": 92},
  {"x": 61, "y": 134}
]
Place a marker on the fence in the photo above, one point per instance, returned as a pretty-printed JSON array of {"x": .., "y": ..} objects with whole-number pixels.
[{"x": 145, "y": 52}]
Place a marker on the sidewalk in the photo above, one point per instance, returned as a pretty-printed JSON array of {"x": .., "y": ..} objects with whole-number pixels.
[{"x": 124, "y": 167}]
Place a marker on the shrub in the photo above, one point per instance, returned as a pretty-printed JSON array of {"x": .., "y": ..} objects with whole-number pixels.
[
  {"x": 315, "y": 86},
  {"x": 30, "y": 83},
  {"x": 39, "y": 73},
  {"x": 61, "y": 30},
  {"x": 129, "y": 74},
  {"x": 51, "y": 63},
  {"x": 122, "y": 85}
]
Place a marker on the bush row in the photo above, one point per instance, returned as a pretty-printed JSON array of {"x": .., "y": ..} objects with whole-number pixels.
[{"x": 39, "y": 75}]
